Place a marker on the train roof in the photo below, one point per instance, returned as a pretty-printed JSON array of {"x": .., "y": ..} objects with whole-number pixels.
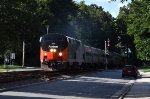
[
  {"x": 73, "y": 38},
  {"x": 78, "y": 41},
  {"x": 94, "y": 48}
]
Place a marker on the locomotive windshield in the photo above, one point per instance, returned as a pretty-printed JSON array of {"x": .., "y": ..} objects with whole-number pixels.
[{"x": 57, "y": 41}]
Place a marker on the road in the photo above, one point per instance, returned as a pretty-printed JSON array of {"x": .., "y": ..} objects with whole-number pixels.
[{"x": 101, "y": 84}]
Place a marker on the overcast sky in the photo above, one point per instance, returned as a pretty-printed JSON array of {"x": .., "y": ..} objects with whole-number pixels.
[{"x": 111, "y": 7}]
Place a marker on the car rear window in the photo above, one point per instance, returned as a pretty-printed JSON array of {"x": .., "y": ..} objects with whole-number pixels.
[{"x": 129, "y": 67}]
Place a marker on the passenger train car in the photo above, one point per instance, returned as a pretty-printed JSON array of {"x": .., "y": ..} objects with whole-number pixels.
[{"x": 60, "y": 52}]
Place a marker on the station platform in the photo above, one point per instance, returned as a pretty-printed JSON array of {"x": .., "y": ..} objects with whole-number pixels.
[{"x": 25, "y": 69}]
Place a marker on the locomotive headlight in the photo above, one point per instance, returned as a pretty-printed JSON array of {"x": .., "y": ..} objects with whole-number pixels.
[
  {"x": 54, "y": 50},
  {"x": 51, "y": 50},
  {"x": 41, "y": 60},
  {"x": 60, "y": 54},
  {"x": 45, "y": 54}
]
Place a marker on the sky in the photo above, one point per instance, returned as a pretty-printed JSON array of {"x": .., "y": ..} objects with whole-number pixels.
[{"x": 111, "y": 7}]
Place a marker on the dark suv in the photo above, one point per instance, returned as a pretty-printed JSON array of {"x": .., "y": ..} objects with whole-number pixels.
[{"x": 130, "y": 70}]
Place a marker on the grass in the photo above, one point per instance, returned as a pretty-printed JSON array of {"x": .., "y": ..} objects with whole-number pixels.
[
  {"x": 10, "y": 67},
  {"x": 3, "y": 70},
  {"x": 145, "y": 68},
  {"x": 7, "y": 67}
]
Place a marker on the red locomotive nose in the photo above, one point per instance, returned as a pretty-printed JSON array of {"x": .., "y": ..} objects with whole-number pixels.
[{"x": 52, "y": 55}]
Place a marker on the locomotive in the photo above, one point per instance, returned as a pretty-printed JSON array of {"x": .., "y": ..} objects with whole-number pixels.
[{"x": 60, "y": 52}]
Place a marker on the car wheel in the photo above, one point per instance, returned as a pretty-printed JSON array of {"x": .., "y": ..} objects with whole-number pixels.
[
  {"x": 135, "y": 76},
  {"x": 122, "y": 76}
]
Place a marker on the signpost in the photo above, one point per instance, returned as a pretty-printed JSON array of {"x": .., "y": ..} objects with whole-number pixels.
[
  {"x": 12, "y": 58},
  {"x": 9, "y": 59}
]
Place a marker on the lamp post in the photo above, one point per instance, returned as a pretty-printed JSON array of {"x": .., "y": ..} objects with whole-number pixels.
[
  {"x": 106, "y": 52},
  {"x": 106, "y": 55},
  {"x": 127, "y": 53},
  {"x": 47, "y": 27},
  {"x": 23, "y": 53}
]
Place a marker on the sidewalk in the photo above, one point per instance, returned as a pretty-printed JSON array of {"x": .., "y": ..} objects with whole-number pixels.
[{"x": 141, "y": 88}]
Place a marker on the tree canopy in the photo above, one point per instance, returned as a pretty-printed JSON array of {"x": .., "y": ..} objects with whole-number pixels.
[
  {"x": 136, "y": 16},
  {"x": 26, "y": 20}
]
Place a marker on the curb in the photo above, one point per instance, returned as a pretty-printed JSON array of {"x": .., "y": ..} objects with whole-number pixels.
[{"x": 124, "y": 90}]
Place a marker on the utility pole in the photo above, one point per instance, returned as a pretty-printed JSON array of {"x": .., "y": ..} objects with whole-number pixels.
[
  {"x": 23, "y": 54},
  {"x": 106, "y": 55},
  {"x": 47, "y": 27},
  {"x": 106, "y": 52}
]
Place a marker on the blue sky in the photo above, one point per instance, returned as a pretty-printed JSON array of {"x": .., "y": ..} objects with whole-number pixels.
[{"x": 111, "y": 7}]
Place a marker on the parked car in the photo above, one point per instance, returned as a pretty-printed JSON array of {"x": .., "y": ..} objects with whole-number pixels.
[{"x": 130, "y": 70}]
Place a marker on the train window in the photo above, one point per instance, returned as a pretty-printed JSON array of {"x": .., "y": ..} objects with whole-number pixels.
[
  {"x": 95, "y": 54},
  {"x": 77, "y": 44},
  {"x": 80, "y": 43},
  {"x": 83, "y": 56},
  {"x": 88, "y": 53},
  {"x": 103, "y": 55},
  {"x": 70, "y": 41},
  {"x": 75, "y": 55}
]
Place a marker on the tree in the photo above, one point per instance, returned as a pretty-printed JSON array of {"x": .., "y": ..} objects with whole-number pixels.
[
  {"x": 62, "y": 12},
  {"x": 25, "y": 19},
  {"x": 139, "y": 27},
  {"x": 19, "y": 22},
  {"x": 136, "y": 15},
  {"x": 93, "y": 25}
]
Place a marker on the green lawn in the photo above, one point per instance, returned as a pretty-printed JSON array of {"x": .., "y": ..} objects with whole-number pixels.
[
  {"x": 7, "y": 67},
  {"x": 10, "y": 67},
  {"x": 145, "y": 70},
  {"x": 3, "y": 70}
]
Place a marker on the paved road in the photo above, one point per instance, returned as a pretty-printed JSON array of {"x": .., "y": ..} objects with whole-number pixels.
[{"x": 89, "y": 86}]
